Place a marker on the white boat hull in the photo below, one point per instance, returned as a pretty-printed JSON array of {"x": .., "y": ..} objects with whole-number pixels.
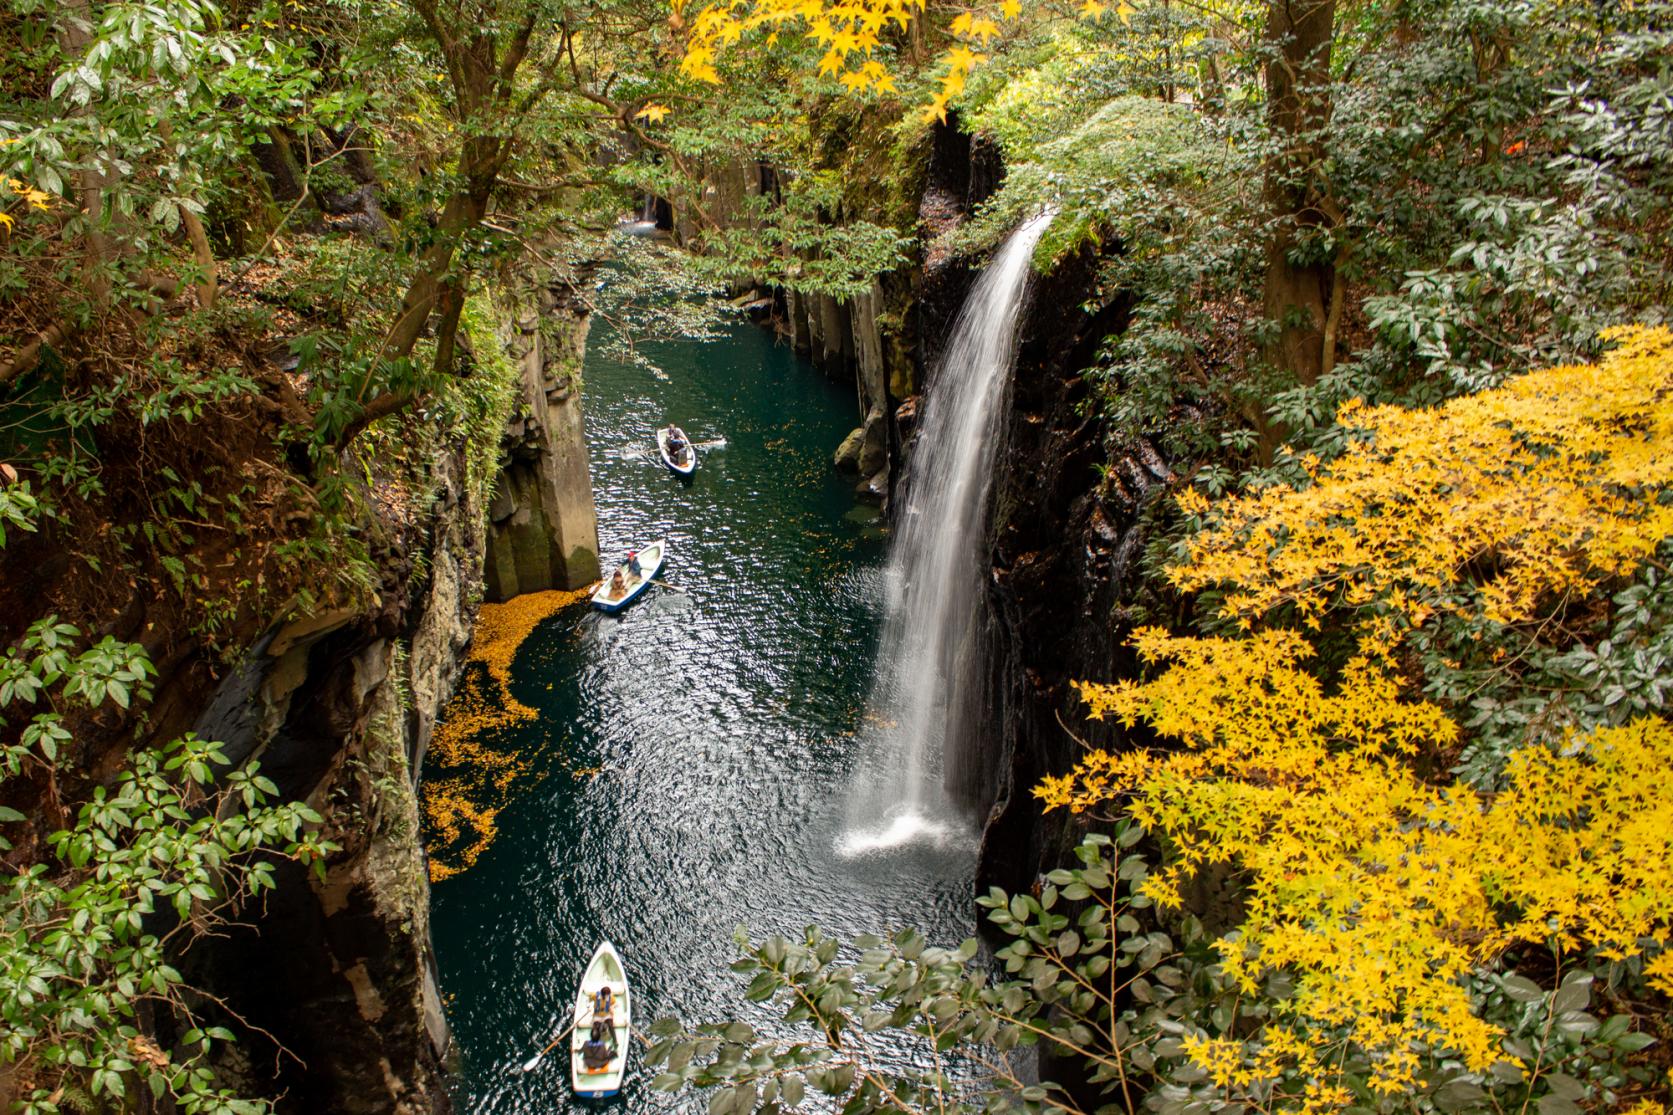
[
  {"x": 650, "y": 564},
  {"x": 604, "y": 970},
  {"x": 688, "y": 461}
]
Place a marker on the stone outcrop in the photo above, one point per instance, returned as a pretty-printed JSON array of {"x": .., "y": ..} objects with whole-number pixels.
[
  {"x": 334, "y": 972},
  {"x": 1065, "y": 590},
  {"x": 847, "y": 455},
  {"x": 543, "y": 531}
]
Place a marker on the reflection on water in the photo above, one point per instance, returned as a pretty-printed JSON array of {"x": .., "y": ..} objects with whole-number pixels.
[{"x": 685, "y": 768}]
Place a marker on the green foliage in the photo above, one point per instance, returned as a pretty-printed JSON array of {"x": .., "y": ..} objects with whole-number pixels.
[
  {"x": 897, "y": 1024},
  {"x": 18, "y": 507},
  {"x": 1129, "y": 1014},
  {"x": 1531, "y": 177},
  {"x": 163, "y": 854},
  {"x": 479, "y": 404}
]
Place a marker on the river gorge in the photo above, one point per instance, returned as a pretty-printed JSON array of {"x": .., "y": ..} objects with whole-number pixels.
[{"x": 689, "y": 764}]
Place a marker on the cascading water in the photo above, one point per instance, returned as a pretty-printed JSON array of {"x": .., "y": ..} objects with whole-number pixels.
[{"x": 925, "y": 670}]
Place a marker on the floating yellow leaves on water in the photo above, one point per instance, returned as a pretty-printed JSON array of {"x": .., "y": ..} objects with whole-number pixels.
[{"x": 473, "y": 778}]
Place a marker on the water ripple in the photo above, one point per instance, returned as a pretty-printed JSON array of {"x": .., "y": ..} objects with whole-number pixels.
[{"x": 690, "y": 757}]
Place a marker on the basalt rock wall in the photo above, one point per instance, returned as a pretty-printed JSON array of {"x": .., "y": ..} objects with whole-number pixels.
[
  {"x": 888, "y": 340},
  {"x": 340, "y": 708},
  {"x": 543, "y": 530},
  {"x": 1067, "y": 528},
  {"x": 335, "y": 973}
]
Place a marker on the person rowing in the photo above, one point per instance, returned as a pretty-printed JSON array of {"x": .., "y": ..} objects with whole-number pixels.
[{"x": 596, "y": 1052}]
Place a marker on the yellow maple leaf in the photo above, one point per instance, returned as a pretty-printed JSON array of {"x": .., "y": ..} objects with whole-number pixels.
[{"x": 654, "y": 113}]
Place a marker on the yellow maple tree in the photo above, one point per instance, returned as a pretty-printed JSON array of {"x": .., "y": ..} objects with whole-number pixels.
[
  {"x": 1379, "y": 891},
  {"x": 851, "y": 32},
  {"x": 1491, "y": 502},
  {"x": 1378, "y": 888}
]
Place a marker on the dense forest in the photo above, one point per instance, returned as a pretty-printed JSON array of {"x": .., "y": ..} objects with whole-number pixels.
[{"x": 1367, "y": 811}]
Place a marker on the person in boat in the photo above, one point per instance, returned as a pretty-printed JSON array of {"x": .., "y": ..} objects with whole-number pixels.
[
  {"x": 618, "y": 584},
  {"x": 604, "y": 1002},
  {"x": 676, "y": 443},
  {"x": 595, "y": 1051},
  {"x": 632, "y": 564}
]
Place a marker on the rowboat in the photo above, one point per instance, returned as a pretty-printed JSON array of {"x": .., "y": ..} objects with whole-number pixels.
[
  {"x": 605, "y": 970},
  {"x": 650, "y": 563},
  {"x": 686, "y": 463}
]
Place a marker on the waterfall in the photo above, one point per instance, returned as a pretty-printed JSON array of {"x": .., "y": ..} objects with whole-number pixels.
[{"x": 926, "y": 672}]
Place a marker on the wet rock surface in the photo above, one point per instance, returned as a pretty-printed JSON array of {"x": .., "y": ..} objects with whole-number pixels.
[{"x": 1064, "y": 590}]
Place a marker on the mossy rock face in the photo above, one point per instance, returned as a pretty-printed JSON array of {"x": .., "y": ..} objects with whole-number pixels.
[
  {"x": 581, "y": 567},
  {"x": 847, "y": 455}
]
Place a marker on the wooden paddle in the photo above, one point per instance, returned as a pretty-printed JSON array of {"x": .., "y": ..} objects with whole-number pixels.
[
  {"x": 665, "y": 584},
  {"x": 528, "y": 1065}
]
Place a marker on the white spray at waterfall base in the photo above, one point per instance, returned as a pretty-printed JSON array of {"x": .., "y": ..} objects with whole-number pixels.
[{"x": 926, "y": 668}]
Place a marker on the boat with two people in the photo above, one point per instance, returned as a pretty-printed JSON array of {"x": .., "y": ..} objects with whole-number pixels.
[
  {"x": 677, "y": 451},
  {"x": 603, "y": 1021},
  {"x": 631, "y": 578}
]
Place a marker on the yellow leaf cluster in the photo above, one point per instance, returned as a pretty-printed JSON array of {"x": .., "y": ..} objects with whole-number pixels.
[
  {"x": 850, "y": 31},
  {"x": 16, "y": 187},
  {"x": 470, "y": 780},
  {"x": 653, "y": 113},
  {"x": 1377, "y": 890},
  {"x": 1491, "y": 503}
]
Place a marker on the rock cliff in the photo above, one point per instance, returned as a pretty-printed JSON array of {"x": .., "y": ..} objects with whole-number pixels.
[{"x": 543, "y": 531}]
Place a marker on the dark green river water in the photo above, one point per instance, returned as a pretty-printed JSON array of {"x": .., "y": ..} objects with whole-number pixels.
[{"x": 722, "y": 724}]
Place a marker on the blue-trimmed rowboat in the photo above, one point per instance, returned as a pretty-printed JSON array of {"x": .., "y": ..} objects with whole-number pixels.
[
  {"x": 605, "y": 970},
  {"x": 650, "y": 563},
  {"x": 686, "y": 462}
]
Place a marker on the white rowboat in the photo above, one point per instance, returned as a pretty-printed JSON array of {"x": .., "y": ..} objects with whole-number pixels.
[
  {"x": 650, "y": 563},
  {"x": 686, "y": 463},
  {"x": 604, "y": 971}
]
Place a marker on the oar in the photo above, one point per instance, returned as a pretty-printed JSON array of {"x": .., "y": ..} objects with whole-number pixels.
[
  {"x": 528, "y": 1065},
  {"x": 665, "y": 584}
]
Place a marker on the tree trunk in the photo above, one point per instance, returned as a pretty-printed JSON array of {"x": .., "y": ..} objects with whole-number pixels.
[
  {"x": 483, "y": 79},
  {"x": 74, "y": 33},
  {"x": 1297, "y": 294}
]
